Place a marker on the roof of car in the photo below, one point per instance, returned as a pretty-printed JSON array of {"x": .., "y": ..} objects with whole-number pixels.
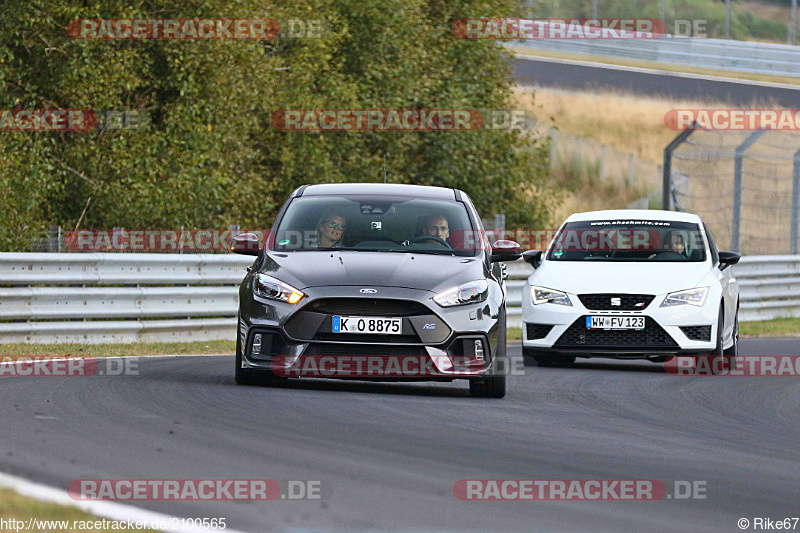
[
  {"x": 391, "y": 189},
  {"x": 634, "y": 214}
]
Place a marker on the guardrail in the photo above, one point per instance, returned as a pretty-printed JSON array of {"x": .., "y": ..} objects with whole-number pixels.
[
  {"x": 742, "y": 56},
  {"x": 96, "y": 298}
]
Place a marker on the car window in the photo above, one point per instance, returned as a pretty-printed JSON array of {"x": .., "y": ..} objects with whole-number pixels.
[
  {"x": 628, "y": 240},
  {"x": 376, "y": 223}
]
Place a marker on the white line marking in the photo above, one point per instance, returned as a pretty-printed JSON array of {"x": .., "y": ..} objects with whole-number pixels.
[
  {"x": 658, "y": 72},
  {"x": 110, "y": 510}
]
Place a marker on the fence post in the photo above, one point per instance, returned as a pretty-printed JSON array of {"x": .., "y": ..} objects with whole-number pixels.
[
  {"x": 795, "y": 201},
  {"x": 737, "y": 187},
  {"x": 666, "y": 184}
]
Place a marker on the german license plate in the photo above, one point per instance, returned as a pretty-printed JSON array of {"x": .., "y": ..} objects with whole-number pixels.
[
  {"x": 367, "y": 324},
  {"x": 614, "y": 322}
]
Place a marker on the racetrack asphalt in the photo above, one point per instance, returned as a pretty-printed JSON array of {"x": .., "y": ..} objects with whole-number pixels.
[
  {"x": 392, "y": 452},
  {"x": 559, "y": 74}
]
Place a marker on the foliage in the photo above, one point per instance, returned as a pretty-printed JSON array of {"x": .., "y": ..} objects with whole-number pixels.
[{"x": 209, "y": 157}]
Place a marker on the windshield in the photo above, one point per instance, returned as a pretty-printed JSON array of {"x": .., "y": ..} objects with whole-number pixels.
[
  {"x": 374, "y": 223},
  {"x": 629, "y": 240}
]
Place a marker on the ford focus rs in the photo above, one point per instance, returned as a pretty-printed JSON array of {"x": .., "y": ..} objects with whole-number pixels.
[
  {"x": 376, "y": 282},
  {"x": 630, "y": 284}
]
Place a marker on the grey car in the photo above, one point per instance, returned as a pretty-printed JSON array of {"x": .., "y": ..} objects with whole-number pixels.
[{"x": 372, "y": 281}]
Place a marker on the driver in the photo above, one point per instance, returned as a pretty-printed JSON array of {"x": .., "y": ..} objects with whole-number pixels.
[
  {"x": 437, "y": 226},
  {"x": 673, "y": 243}
]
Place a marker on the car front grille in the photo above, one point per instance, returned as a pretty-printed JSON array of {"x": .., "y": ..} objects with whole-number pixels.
[
  {"x": 606, "y": 301},
  {"x": 367, "y": 307},
  {"x": 697, "y": 333},
  {"x": 537, "y": 331},
  {"x": 363, "y": 349},
  {"x": 652, "y": 336}
]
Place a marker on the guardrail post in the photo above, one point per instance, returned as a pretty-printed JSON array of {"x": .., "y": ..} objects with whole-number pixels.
[
  {"x": 666, "y": 186},
  {"x": 795, "y": 201},
  {"x": 737, "y": 187}
]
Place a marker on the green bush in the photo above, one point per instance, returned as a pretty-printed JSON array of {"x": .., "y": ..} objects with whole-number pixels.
[{"x": 209, "y": 156}]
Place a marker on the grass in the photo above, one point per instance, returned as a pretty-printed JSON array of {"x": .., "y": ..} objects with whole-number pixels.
[
  {"x": 779, "y": 327},
  {"x": 765, "y": 328},
  {"x": 114, "y": 350},
  {"x": 15, "y": 506},
  {"x": 750, "y": 76}
]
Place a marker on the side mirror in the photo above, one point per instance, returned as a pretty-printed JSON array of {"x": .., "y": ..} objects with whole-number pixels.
[
  {"x": 505, "y": 251},
  {"x": 246, "y": 244},
  {"x": 727, "y": 259},
  {"x": 534, "y": 257}
]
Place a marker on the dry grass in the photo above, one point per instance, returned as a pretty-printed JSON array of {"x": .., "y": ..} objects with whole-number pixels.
[
  {"x": 634, "y": 124},
  {"x": 622, "y": 121}
]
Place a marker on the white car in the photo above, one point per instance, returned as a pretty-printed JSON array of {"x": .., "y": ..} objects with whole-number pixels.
[{"x": 632, "y": 284}]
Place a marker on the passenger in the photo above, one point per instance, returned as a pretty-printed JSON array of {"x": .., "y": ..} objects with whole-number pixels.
[{"x": 330, "y": 231}]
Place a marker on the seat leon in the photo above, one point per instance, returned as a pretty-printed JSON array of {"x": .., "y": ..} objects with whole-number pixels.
[
  {"x": 630, "y": 284},
  {"x": 374, "y": 282}
]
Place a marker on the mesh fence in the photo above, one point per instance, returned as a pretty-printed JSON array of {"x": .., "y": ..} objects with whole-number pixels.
[{"x": 704, "y": 176}]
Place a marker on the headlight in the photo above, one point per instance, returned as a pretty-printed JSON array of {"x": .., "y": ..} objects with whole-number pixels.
[
  {"x": 542, "y": 295},
  {"x": 689, "y": 296},
  {"x": 274, "y": 289},
  {"x": 472, "y": 292}
]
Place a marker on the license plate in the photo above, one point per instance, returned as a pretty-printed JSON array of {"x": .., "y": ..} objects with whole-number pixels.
[
  {"x": 614, "y": 322},
  {"x": 367, "y": 324}
]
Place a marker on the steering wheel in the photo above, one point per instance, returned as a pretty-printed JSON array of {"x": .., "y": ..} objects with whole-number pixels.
[
  {"x": 669, "y": 254},
  {"x": 437, "y": 240}
]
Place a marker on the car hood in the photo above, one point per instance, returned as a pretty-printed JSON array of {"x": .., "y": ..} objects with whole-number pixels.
[
  {"x": 635, "y": 278},
  {"x": 372, "y": 269}
]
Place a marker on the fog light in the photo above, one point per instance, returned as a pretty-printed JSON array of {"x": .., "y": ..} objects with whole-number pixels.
[
  {"x": 256, "y": 344},
  {"x": 479, "y": 349}
]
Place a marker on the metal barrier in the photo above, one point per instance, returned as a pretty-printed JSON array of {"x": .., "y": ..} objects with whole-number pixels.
[
  {"x": 96, "y": 298},
  {"x": 743, "y": 56}
]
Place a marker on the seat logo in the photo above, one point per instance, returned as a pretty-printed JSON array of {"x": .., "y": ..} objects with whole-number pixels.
[
  {"x": 616, "y": 302},
  {"x": 368, "y": 291}
]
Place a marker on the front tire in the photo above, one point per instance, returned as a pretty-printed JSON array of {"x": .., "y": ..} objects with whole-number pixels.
[
  {"x": 494, "y": 386},
  {"x": 717, "y": 359},
  {"x": 732, "y": 352},
  {"x": 534, "y": 357},
  {"x": 491, "y": 387}
]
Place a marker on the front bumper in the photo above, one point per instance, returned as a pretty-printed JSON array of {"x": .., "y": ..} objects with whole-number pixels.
[
  {"x": 560, "y": 329},
  {"x": 445, "y": 343}
]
